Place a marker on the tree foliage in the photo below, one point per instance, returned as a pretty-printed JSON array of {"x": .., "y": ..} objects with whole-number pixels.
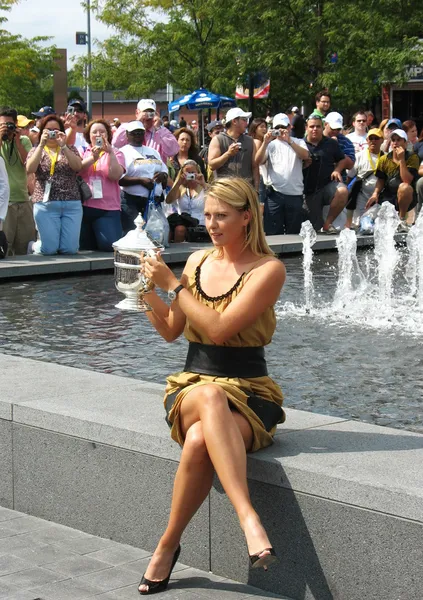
[
  {"x": 190, "y": 43},
  {"x": 26, "y": 68}
]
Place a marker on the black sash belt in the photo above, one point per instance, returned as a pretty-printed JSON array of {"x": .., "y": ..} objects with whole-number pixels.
[{"x": 226, "y": 361}]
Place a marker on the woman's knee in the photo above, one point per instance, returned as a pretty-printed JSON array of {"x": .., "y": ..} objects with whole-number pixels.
[{"x": 213, "y": 397}]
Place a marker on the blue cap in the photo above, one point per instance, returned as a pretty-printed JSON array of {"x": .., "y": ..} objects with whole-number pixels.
[
  {"x": 213, "y": 124},
  {"x": 395, "y": 122},
  {"x": 44, "y": 112}
]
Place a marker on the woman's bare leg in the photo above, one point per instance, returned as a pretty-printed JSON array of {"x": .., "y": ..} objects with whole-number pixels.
[
  {"x": 227, "y": 435},
  {"x": 192, "y": 484}
]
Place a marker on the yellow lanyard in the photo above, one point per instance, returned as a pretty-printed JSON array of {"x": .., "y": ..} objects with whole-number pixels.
[
  {"x": 95, "y": 163},
  {"x": 53, "y": 159},
  {"x": 372, "y": 164}
]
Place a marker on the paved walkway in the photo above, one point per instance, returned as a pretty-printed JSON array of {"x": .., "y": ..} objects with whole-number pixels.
[{"x": 40, "y": 560}]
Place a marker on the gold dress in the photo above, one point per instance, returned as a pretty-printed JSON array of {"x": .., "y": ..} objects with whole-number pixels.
[{"x": 237, "y": 389}]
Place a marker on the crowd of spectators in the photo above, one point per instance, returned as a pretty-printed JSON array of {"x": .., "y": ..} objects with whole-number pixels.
[{"x": 67, "y": 183}]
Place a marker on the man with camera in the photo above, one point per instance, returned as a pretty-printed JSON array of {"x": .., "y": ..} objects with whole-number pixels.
[
  {"x": 19, "y": 226},
  {"x": 284, "y": 157},
  {"x": 323, "y": 185},
  {"x": 160, "y": 139},
  {"x": 75, "y": 122},
  {"x": 232, "y": 153}
]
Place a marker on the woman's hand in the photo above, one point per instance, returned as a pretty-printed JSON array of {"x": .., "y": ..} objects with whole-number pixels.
[
  {"x": 95, "y": 151},
  {"x": 200, "y": 180},
  {"x": 155, "y": 268},
  {"x": 44, "y": 137},
  {"x": 106, "y": 146},
  {"x": 60, "y": 138}
]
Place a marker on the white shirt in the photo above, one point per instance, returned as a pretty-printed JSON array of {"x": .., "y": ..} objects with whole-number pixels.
[
  {"x": 359, "y": 141},
  {"x": 285, "y": 168},
  {"x": 80, "y": 141},
  {"x": 4, "y": 190},
  {"x": 142, "y": 161},
  {"x": 193, "y": 206},
  {"x": 364, "y": 163}
]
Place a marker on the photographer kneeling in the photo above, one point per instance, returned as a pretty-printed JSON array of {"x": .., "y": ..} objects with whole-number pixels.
[{"x": 187, "y": 196}]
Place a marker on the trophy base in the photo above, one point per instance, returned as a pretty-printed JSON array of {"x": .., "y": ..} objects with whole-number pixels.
[{"x": 133, "y": 304}]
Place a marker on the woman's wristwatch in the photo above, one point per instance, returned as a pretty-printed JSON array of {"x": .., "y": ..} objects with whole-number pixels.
[{"x": 173, "y": 293}]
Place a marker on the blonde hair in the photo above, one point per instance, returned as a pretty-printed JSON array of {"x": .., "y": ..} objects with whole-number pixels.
[
  {"x": 241, "y": 195},
  {"x": 188, "y": 163}
]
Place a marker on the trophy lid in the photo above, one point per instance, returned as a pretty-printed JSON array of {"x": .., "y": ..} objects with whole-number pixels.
[{"x": 137, "y": 239}]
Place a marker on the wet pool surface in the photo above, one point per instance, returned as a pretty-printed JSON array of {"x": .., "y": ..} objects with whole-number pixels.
[{"x": 343, "y": 369}]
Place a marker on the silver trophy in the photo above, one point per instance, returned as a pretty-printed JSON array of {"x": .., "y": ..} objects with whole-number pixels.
[{"x": 129, "y": 279}]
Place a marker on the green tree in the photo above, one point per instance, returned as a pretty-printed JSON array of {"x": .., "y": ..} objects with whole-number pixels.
[
  {"x": 26, "y": 69},
  {"x": 189, "y": 43}
]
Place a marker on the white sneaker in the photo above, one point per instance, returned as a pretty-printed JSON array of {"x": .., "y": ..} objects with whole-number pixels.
[{"x": 403, "y": 227}]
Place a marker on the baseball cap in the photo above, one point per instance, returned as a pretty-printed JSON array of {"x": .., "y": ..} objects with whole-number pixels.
[
  {"x": 234, "y": 113},
  {"x": 375, "y": 131},
  {"x": 44, "y": 112},
  {"x": 400, "y": 133},
  {"x": 281, "y": 119},
  {"x": 295, "y": 109},
  {"x": 78, "y": 102},
  {"x": 24, "y": 121},
  {"x": 213, "y": 124},
  {"x": 334, "y": 120},
  {"x": 395, "y": 122},
  {"x": 146, "y": 104},
  {"x": 133, "y": 126}
]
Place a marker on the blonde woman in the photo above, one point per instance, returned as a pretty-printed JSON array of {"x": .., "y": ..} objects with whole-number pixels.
[
  {"x": 187, "y": 200},
  {"x": 223, "y": 404}
]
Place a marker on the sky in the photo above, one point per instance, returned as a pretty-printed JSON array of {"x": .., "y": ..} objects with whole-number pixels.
[{"x": 60, "y": 19}]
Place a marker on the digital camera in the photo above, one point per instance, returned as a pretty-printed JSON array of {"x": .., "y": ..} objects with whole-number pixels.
[
  {"x": 51, "y": 134},
  {"x": 10, "y": 127},
  {"x": 239, "y": 145},
  {"x": 70, "y": 110},
  {"x": 99, "y": 142},
  {"x": 276, "y": 132},
  {"x": 189, "y": 176}
]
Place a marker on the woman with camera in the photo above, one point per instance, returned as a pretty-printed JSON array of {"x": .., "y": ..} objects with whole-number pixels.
[
  {"x": 223, "y": 404},
  {"x": 102, "y": 168},
  {"x": 187, "y": 199},
  {"x": 56, "y": 196},
  {"x": 188, "y": 150}
]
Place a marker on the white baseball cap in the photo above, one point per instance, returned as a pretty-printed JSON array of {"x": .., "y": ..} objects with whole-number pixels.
[
  {"x": 281, "y": 119},
  {"x": 334, "y": 120},
  {"x": 234, "y": 113},
  {"x": 400, "y": 133},
  {"x": 133, "y": 126},
  {"x": 146, "y": 104}
]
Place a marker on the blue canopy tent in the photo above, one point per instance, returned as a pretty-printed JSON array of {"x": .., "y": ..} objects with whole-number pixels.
[{"x": 200, "y": 99}]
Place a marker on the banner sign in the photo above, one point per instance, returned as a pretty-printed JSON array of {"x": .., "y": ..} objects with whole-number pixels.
[{"x": 261, "y": 88}]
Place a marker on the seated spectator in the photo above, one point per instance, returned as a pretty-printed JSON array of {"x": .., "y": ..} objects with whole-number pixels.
[
  {"x": 390, "y": 126},
  {"x": 187, "y": 197},
  {"x": 359, "y": 136},
  {"x": 364, "y": 170},
  {"x": 19, "y": 226},
  {"x": 396, "y": 178},
  {"x": 160, "y": 139},
  {"x": 258, "y": 130},
  {"x": 145, "y": 172},
  {"x": 56, "y": 197},
  {"x": 410, "y": 129},
  {"x": 334, "y": 124},
  {"x": 102, "y": 168},
  {"x": 284, "y": 156},
  {"x": 323, "y": 184},
  {"x": 188, "y": 150}
]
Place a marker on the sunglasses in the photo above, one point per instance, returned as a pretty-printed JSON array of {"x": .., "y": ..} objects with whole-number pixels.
[{"x": 373, "y": 138}]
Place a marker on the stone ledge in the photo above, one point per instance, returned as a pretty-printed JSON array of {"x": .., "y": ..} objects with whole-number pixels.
[{"x": 368, "y": 466}]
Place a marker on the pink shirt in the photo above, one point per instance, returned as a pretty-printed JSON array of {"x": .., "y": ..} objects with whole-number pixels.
[
  {"x": 161, "y": 140},
  {"x": 110, "y": 188}
]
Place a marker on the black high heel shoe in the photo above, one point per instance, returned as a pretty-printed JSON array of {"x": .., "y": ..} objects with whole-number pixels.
[
  {"x": 154, "y": 587},
  {"x": 265, "y": 561}
]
